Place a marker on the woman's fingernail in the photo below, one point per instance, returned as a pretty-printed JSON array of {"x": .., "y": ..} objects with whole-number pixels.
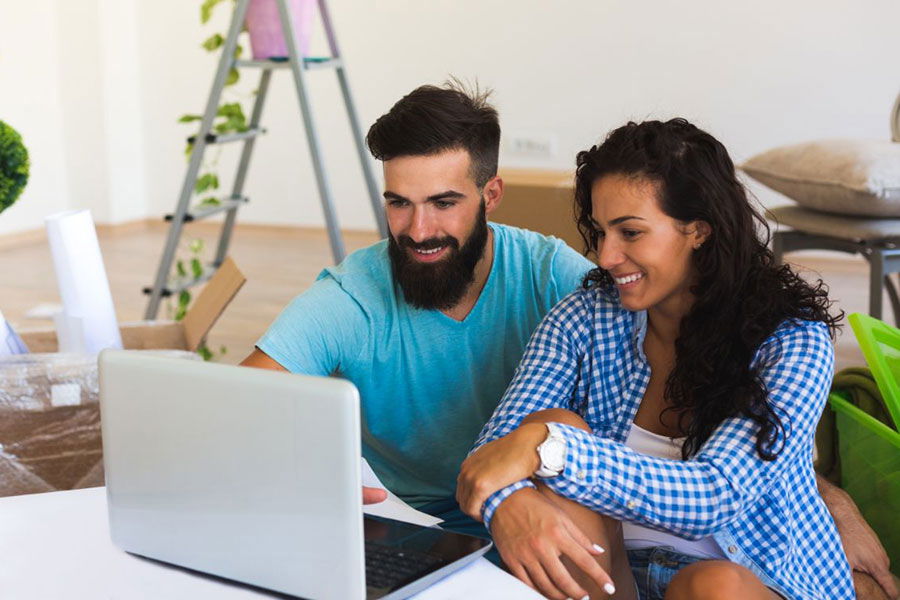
[
  {"x": 609, "y": 589},
  {"x": 599, "y": 549},
  {"x": 586, "y": 597}
]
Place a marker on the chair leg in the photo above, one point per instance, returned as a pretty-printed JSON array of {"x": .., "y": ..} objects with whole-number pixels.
[
  {"x": 876, "y": 283},
  {"x": 894, "y": 297},
  {"x": 778, "y": 247}
]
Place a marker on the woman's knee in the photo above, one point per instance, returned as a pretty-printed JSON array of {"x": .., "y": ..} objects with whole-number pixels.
[{"x": 713, "y": 580}]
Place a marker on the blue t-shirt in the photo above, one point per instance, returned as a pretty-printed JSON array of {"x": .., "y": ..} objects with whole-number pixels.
[{"x": 428, "y": 383}]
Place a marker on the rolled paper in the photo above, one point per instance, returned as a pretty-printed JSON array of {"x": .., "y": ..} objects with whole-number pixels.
[
  {"x": 83, "y": 286},
  {"x": 10, "y": 342}
]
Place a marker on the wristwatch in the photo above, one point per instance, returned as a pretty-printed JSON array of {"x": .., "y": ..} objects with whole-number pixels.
[{"x": 552, "y": 452}]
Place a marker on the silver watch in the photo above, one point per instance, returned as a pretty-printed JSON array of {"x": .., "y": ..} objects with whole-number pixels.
[{"x": 552, "y": 452}]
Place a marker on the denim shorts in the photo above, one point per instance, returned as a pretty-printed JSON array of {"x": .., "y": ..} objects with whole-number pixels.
[{"x": 653, "y": 569}]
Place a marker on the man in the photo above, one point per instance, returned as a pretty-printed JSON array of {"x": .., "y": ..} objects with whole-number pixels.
[{"x": 430, "y": 323}]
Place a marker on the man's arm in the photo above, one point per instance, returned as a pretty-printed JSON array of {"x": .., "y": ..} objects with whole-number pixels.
[
  {"x": 862, "y": 547},
  {"x": 261, "y": 360}
]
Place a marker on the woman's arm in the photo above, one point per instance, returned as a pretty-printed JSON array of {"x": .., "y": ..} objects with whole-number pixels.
[
  {"x": 695, "y": 498},
  {"x": 545, "y": 379}
]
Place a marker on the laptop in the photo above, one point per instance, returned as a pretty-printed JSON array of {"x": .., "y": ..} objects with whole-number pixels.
[{"x": 254, "y": 475}]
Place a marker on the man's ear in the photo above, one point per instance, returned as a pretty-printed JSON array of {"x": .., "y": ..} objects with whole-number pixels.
[{"x": 492, "y": 192}]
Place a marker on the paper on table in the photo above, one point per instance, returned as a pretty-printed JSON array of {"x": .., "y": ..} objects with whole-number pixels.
[
  {"x": 481, "y": 579},
  {"x": 393, "y": 507},
  {"x": 82, "y": 280}
]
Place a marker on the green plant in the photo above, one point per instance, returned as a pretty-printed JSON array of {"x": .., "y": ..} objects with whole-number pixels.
[
  {"x": 194, "y": 266},
  {"x": 13, "y": 166},
  {"x": 230, "y": 118}
]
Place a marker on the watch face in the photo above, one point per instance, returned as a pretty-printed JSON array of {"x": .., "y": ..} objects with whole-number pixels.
[{"x": 553, "y": 454}]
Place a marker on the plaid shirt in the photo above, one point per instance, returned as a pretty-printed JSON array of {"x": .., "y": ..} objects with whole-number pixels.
[{"x": 587, "y": 357}]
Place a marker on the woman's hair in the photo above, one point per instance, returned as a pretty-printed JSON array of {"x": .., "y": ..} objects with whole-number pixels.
[{"x": 741, "y": 294}]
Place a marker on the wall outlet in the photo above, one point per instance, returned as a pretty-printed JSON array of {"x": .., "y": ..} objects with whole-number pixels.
[{"x": 538, "y": 146}]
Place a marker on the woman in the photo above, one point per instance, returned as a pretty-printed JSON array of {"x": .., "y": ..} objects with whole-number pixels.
[{"x": 671, "y": 403}]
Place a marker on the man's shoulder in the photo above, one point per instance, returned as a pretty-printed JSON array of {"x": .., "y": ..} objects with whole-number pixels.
[
  {"x": 362, "y": 280},
  {"x": 535, "y": 247},
  {"x": 364, "y": 271}
]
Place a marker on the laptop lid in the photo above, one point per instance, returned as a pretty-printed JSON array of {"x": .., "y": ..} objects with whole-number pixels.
[{"x": 248, "y": 474}]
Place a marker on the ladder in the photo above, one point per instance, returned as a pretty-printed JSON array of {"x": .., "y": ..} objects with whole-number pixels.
[{"x": 298, "y": 65}]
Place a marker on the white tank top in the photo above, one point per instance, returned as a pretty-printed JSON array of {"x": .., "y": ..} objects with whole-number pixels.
[{"x": 637, "y": 536}]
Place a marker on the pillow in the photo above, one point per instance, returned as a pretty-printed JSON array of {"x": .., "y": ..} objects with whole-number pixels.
[{"x": 850, "y": 177}]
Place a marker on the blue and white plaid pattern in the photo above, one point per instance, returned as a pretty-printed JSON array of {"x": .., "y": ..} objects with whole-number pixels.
[{"x": 587, "y": 356}]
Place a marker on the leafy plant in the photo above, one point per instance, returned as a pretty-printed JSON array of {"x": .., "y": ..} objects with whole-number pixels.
[
  {"x": 194, "y": 267},
  {"x": 14, "y": 166},
  {"x": 230, "y": 118}
]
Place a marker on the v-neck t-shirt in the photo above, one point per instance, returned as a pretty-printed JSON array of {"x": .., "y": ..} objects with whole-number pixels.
[{"x": 427, "y": 382}]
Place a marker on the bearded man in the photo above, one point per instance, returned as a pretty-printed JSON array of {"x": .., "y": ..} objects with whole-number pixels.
[{"x": 430, "y": 323}]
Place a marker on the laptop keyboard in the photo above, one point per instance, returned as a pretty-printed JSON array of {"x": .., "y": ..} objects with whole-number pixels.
[{"x": 390, "y": 567}]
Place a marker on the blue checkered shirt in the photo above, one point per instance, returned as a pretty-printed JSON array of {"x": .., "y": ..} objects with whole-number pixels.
[{"x": 587, "y": 356}]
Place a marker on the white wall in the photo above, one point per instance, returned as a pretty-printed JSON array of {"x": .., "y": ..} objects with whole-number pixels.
[{"x": 755, "y": 74}]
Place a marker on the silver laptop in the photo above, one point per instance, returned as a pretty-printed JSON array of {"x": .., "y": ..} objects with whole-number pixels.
[{"x": 254, "y": 475}]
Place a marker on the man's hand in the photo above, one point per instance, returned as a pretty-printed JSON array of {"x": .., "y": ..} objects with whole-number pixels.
[
  {"x": 861, "y": 545},
  {"x": 373, "y": 495},
  {"x": 532, "y": 535},
  {"x": 498, "y": 464}
]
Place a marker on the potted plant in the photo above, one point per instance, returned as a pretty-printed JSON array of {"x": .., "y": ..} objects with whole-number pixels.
[
  {"x": 13, "y": 166},
  {"x": 263, "y": 23}
]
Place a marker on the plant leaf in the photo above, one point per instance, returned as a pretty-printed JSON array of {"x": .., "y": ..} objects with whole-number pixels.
[
  {"x": 213, "y": 42},
  {"x": 233, "y": 77},
  {"x": 179, "y": 268},
  {"x": 207, "y": 181},
  {"x": 196, "y": 246},
  {"x": 189, "y": 118},
  {"x": 184, "y": 299},
  {"x": 196, "y": 268},
  {"x": 211, "y": 201},
  {"x": 206, "y": 10},
  {"x": 205, "y": 352}
]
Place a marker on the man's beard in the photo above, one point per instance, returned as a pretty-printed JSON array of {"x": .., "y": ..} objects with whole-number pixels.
[{"x": 440, "y": 285}]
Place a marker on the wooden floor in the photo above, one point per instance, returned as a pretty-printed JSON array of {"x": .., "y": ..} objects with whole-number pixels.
[{"x": 280, "y": 262}]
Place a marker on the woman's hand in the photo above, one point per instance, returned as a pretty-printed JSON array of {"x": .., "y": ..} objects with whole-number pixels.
[
  {"x": 498, "y": 464},
  {"x": 532, "y": 535}
]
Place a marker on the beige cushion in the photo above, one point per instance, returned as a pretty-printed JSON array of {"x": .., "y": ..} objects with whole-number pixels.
[
  {"x": 857, "y": 229},
  {"x": 850, "y": 177}
]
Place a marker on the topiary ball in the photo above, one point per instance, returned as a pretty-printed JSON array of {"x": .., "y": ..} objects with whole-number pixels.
[{"x": 13, "y": 166}]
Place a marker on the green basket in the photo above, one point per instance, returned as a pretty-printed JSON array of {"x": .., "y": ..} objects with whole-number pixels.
[
  {"x": 880, "y": 344},
  {"x": 870, "y": 471},
  {"x": 869, "y": 449}
]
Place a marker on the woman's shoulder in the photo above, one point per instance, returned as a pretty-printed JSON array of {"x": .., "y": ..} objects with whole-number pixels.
[
  {"x": 795, "y": 337},
  {"x": 589, "y": 309}
]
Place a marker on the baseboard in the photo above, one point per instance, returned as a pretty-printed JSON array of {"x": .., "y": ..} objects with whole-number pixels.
[{"x": 39, "y": 236}]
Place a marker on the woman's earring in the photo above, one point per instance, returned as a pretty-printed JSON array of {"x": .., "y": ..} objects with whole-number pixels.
[{"x": 697, "y": 245}]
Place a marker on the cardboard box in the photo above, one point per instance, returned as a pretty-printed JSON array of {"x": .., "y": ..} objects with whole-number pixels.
[
  {"x": 49, "y": 403},
  {"x": 540, "y": 200},
  {"x": 186, "y": 334}
]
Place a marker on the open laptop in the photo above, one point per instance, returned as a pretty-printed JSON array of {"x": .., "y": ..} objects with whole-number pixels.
[{"x": 254, "y": 475}]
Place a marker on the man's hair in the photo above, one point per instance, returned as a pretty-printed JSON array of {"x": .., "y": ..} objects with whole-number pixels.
[{"x": 433, "y": 119}]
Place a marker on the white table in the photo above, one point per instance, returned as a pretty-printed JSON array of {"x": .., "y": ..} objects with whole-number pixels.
[{"x": 57, "y": 545}]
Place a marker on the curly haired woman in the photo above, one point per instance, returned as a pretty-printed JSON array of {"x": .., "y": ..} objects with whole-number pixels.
[{"x": 672, "y": 401}]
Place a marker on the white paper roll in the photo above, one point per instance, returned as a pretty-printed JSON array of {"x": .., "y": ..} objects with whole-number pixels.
[{"x": 82, "y": 280}]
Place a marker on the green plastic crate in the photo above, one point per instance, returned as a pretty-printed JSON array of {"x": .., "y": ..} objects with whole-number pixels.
[
  {"x": 870, "y": 471},
  {"x": 869, "y": 449}
]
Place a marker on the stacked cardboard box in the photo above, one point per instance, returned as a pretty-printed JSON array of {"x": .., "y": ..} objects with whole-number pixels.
[{"x": 49, "y": 403}]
